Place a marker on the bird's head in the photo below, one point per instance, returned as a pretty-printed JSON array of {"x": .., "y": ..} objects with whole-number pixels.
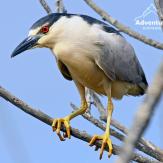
[{"x": 41, "y": 34}]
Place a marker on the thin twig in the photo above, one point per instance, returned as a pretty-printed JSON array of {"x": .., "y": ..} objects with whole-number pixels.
[
  {"x": 122, "y": 27},
  {"x": 143, "y": 116},
  {"x": 146, "y": 149},
  {"x": 98, "y": 104},
  {"x": 74, "y": 132},
  {"x": 88, "y": 93},
  {"x": 60, "y": 6},
  {"x": 45, "y": 6}
]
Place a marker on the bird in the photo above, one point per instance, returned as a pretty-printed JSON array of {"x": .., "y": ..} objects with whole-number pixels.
[{"x": 93, "y": 55}]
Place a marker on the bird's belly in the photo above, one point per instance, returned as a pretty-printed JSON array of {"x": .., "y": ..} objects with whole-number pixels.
[{"x": 86, "y": 72}]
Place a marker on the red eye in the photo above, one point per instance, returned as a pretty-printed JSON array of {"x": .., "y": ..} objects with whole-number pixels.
[{"x": 45, "y": 29}]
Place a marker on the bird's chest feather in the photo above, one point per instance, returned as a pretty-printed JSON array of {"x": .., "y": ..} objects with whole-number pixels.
[{"x": 81, "y": 67}]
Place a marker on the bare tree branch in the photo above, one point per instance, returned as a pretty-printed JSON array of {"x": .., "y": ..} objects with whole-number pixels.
[
  {"x": 143, "y": 116},
  {"x": 60, "y": 6},
  {"x": 159, "y": 6},
  {"x": 74, "y": 132},
  {"x": 122, "y": 27},
  {"x": 45, "y": 6}
]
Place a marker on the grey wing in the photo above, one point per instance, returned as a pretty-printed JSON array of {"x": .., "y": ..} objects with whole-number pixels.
[{"x": 118, "y": 60}]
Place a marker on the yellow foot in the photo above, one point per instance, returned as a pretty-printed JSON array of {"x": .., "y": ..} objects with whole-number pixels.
[
  {"x": 56, "y": 126},
  {"x": 105, "y": 141}
]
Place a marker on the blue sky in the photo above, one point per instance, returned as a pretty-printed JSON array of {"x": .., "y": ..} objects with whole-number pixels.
[{"x": 34, "y": 77}]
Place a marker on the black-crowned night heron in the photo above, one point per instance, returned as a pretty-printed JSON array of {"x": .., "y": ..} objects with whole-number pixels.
[{"x": 93, "y": 55}]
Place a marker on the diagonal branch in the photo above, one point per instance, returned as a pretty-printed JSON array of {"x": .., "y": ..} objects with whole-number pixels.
[
  {"x": 74, "y": 132},
  {"x": 122, "y": 27},
  {"x": 45, "y": 6},
  {"x": 143, "y": 116}
]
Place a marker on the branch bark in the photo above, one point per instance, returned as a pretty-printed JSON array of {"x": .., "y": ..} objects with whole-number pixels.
[
  {"x": 122, "y": 27},
  {"x": 60, "y": 6},
  {"x": 143, "y": 116},
  {"x": 74, "y": 132},
  {"x": 159, "y": 6},
  {"x": 45, "y": 6}
]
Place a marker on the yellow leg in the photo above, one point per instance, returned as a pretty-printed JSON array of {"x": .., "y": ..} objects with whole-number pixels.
[
  {"x": 56, "y": 125},
  {"x": 106, "y": 136}
]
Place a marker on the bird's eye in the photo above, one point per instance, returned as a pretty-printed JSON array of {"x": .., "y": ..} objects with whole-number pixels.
[{"x": 45, "y": 29}]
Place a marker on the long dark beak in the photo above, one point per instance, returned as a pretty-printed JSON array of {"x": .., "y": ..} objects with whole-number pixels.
[{"x": 26, "y": 44}]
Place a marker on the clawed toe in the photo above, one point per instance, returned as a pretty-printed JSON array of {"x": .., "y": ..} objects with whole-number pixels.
[
  {"x": 106, "y": 141},
  {"x": 56, "y": 126}
]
